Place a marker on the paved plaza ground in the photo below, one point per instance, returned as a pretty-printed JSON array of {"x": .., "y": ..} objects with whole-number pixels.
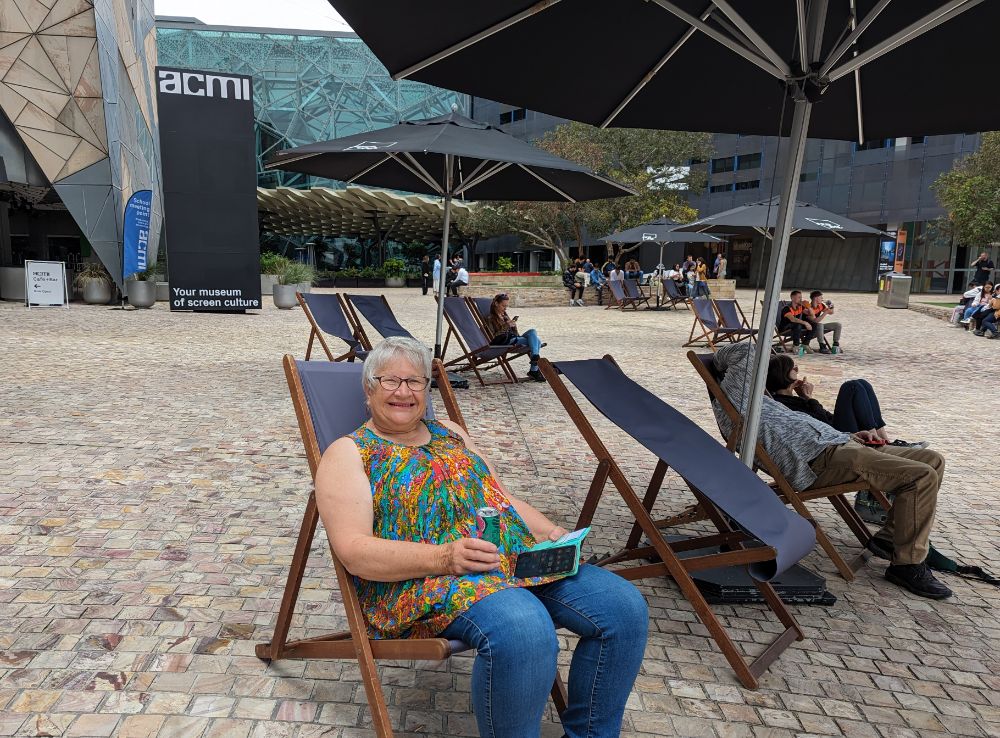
[{"x": 152, "y": 483}]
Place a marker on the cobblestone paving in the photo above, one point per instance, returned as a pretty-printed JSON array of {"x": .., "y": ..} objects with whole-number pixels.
[{"x": 152, "y": 484}]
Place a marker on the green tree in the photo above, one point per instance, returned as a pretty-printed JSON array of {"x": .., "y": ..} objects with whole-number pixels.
[
  {"x": 653, "y": 163},
  {"x": 970, "y": 192}
]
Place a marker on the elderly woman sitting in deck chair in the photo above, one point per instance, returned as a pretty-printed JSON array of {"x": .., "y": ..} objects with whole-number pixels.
[{"x": 399, "y": 500}]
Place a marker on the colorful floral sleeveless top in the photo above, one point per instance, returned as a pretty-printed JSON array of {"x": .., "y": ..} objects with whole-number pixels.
[{"x": 430, "y": 494}]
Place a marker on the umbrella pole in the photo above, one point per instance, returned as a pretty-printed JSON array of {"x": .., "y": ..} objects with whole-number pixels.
[
  {"x": 444, "y": 260},
  {"x": 775, "y": 273}
]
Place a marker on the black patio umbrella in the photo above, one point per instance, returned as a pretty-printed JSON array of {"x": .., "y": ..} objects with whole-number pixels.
[
  {"x": 762, "y": 217},
  {"x": 857, "y": 60},
  {"x": 451, "y": 156}
]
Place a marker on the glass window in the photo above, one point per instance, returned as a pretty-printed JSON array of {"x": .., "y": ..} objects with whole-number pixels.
[
  {"x": 808, "y": 176},
  {"x": 748, "y": 161},
  {"x": 512, "y": 116},
  {"x": 750, "y": 184},
  {"x": 725, "y": 164},
  {"x": 721, "y": 188}
]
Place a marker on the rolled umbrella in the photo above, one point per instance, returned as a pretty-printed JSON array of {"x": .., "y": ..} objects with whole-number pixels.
[
  {"x": 848, "y": 57},
  {"x": 450, "y": 156}
]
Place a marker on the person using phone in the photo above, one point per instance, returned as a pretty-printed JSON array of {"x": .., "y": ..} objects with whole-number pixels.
[
  {"x": 399, "y": 499},
  {"x": 819, "y": 310},
  {"x": 504, "y": 332}
]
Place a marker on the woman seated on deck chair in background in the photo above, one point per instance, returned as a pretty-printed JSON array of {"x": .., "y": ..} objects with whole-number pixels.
[
  {"x": 857, "y": 409},
  {"x": 503, "y": 332},
  {"x": 398, "y": 498}
]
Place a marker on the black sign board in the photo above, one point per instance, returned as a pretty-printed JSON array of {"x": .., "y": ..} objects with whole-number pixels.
[{"x": 209, "y": 189}]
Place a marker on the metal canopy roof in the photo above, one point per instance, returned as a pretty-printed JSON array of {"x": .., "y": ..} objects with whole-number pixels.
[{"x": 353, "y": 212}]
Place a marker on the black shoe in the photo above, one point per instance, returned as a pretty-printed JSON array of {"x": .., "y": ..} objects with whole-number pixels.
[
  {"x": 918, "y": 579},
  {"x": 910, "y": 444},
  {"x": 536, "y": 375},
  {"x": 825, "y": 350},
  {"x": 882, "y": 548}
]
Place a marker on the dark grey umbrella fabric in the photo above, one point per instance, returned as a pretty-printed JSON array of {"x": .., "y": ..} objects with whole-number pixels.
[
  {"x": 808, "y": 220},
  {"x": 529, "y": 54},
  {"x": 661, "y": 230},
  {"x": 701, "y": 460},
  {"x": 406, "y": 156}
]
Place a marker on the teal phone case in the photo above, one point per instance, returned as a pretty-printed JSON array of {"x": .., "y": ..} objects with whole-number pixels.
[{"x": 574, "y": 539}]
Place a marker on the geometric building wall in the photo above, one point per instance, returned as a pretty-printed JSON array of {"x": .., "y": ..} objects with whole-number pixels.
[
  {"x": 76, "y": 81},
  {"x": 308, "y": 86}
]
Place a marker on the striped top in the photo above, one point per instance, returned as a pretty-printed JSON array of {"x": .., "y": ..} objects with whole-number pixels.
[
  {"x": 430, "y": 494},
  {"x": 791, "y": 439}
]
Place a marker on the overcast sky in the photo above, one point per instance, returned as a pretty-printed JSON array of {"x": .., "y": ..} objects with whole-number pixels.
[{"x": 310, "y": 15}]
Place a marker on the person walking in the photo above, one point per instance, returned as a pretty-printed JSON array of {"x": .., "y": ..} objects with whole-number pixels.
[
  {"x": 437, "y": 273},
  {"x": 425, "y": 273},
  {"x": 721, "y": 266}
]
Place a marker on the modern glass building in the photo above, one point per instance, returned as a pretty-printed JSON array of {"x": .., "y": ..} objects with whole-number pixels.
[{"x": 308, "y": 86}]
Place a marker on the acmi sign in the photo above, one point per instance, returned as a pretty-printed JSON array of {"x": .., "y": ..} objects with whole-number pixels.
[{"x": 204, "y": 85}]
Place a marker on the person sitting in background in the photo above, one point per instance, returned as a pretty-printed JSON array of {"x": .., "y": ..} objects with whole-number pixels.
[
  {"x": 818, "y": 310},
  {"x": 813, "y": 454},
  {"x": 616, "y": 275},
  {"x": 971, "y": 295},
  {"x": 459, "y": 279},
  {"x": 692, "y": 282},
  {"x": 570, "y": 283},
  {"x": 689, "y": 264},
  {"x": 633, "y": 270},
  {"x": 399, "y": 499},
  {"x": 503, "y": 332},
  {"x": 581, "y": 284},
  {"x": 677, "y": 276},
  {"x": 597, "y": 281},
  {"x": 794, "y": 318},
  {"x": 979, "y": 304},
  {"x": 986, "y": 320},
  {"x": 857, "y": 407}
]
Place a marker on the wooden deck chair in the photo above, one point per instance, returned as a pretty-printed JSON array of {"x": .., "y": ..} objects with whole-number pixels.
[
  {"x": 329, "y": 403},
  {"x": 618, "y": 297},
  {"x": 737, "y": 501},
  {"x": 706, "y": 329},
  {"x": 731, "y": 316},
  {"x": 326, "y": 315},
  {"x": 672, "y": 296},
  {"x": 480, "y": 309},
  {"x": 375, "y": 309},
  {"x": 474, "y": 343},
  {"x": 704, "y": 364},
  {"x": 634, "y": 291}
]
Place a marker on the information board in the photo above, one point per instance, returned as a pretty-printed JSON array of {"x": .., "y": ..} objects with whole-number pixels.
[
  {"x": 208, "y": 150},
  {"x": 45, "y": 284}
]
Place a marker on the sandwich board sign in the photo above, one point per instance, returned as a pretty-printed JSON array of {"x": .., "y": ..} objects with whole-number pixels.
[{"x": 45, "y": 284}]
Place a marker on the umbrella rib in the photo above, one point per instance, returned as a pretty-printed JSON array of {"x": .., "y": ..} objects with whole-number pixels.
[
  {"x": 469, "y": 183},
  {"x": 472, "y": 174},
  {"x": 929, "y": 22},
  {"x": 655, "y": 70},
  {"x": 363, "y": 172},
  {"x": 800, "y": 15},
  {"x": 857, "y": 80},
  {"x": 421, "y": 172},
  {"x": 755, "y": 38},
  {"x": 726, "y": 41},
  {"x": 855, "y": 33},
  {"x": 476, "y": 38},
  {"x": 548, "y": 184},
  {"x": 283, "y": 162}
]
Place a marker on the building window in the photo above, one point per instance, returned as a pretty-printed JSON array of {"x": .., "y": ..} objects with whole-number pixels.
[
  {"x": 721, "y": 188},
  {"x": 808, "y": 176},
  {"x": 512, "y": 116},
  {"x": 750, "y": 184},
  {"x": 878, "y": 143},
  {"x": 725, "y": 164},
  {"x": 915, "y": 140},
  {"x": 748, "y": 161}
]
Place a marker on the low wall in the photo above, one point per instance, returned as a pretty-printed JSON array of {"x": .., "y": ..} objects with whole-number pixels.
[
  {"x": 724, "y": 289},
  {"x": 935, "y": 311},
  {"x": 525, "y": 296}
]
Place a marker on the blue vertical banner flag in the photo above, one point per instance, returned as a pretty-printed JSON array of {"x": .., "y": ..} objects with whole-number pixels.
[{"x": 135, "y": 235}]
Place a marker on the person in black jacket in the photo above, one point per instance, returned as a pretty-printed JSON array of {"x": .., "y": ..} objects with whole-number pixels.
[{"x": 857, "y": 408}]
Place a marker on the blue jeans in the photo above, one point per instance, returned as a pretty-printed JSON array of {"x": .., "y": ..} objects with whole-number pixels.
[
  {"x": 857, "y": 408},
  {"x": 990, "y": 323},
  {"x": 701, "y": 289},
  {"x": 530, "y": 339},
  {"x": 969, "y": 311},
  {"x": 514, "y": 634}
]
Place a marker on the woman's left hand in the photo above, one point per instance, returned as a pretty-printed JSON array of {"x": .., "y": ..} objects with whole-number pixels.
[{"x": 556, "y": 533}]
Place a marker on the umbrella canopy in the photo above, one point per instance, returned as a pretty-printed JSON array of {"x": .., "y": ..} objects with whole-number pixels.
[
  {"x": 706, "y": 54},
  {"x": 760, "y": 217},
  {"x": 486, "y": 163},
  {"x": 451, "y": 156},
  {"x": 661, "y": 230}
]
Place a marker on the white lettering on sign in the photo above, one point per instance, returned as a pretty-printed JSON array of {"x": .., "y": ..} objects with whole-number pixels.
[{"x": 204, "y": 85}]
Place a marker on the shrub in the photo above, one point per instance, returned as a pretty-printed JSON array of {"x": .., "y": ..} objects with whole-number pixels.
[
  {"x": 394, "y": 268},
  {"x": 370, "y": 273},
  {"x": 91, "y": 272},
  {"x": 505, "y": 264},
  {"x": 348, "y": 273},
  {"x": 296, "y": 273},
  {"x": 271, "y": 263}
]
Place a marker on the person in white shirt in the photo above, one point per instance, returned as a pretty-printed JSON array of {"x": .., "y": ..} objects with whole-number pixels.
[
  {"x": 461, "y": 280},
  {"x": 617, "y": 275}
]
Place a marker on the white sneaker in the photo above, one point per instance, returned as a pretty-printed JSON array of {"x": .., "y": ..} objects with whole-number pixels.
[
  {"x": 572, "y": 303},
  {"x": 580, "y": 303},
  {"x": 965, "y": 321}
]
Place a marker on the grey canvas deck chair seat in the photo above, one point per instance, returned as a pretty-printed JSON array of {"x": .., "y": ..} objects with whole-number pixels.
[
  {"x": 738, "y": 502},
  {"x": 707, "y": 330},
  {"x": 375, "y": 309},
  {"x": 481, "y": 309},
  {"x": 672, "y": 296},
  {"x": 704, "y": 364},
  {"x": 634, "y": 291},
  {"x": 474, "y": 343},
  {"x": 619, "y": 297},
  {"x": 326, "y": 316},
  {"x": 731, "y": 316},
  {"x": 329, "y": 403}
]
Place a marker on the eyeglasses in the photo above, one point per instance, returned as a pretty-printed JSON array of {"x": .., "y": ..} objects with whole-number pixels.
[
  {"x": 501, "y": 297},
  {"x": 415, "y": 384}
]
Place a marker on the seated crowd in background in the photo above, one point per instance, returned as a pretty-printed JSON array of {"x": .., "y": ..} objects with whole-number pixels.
[
  {"x": 805, "y": 321},
  {"x": 979, "y": 310}
]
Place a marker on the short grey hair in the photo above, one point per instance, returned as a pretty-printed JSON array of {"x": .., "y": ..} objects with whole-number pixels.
[{"x": 395, "y": 347}]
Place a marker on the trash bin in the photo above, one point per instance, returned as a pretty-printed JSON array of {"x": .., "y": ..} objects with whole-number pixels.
[{"x": 894, "y": 290}]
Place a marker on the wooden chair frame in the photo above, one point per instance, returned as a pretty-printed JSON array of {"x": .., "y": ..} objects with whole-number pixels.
[
  {"x": 734, "y": 553},
  {"x": 709, "y": 335},
  {"x": 355, "y": 320},
  {"x": 742, "y": 322},
  {"x": 471, "y": 301},
  {"x": 787, "y": 493},
  {"x": 670, "y": 300},
  {"x": 353, "y": 644},
  {"x": 471, "y": 359},
  {"x": 317, "y": 332},
  {"x": 620, "y": 302}
]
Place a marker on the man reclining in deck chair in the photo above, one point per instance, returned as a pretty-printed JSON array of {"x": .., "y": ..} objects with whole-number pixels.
[{"x": 811, "y": 453}]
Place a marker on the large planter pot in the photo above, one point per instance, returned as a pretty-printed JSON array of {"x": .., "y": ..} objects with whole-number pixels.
[
  {"x": 163, "y": 291},
  {"x": 395, "y": 281},
  {"x": 369, "y": 282},
  {"x": 97, "y": 292},
  {"x": 267, "y": 282},
  {"x": 141, "y": 294},
  {"x": 284, "y": 296}
]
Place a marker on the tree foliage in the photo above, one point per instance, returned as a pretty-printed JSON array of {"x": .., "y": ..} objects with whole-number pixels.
[
  {"x": 970, "y": 192},
  {"x": 654, "y": 163}
]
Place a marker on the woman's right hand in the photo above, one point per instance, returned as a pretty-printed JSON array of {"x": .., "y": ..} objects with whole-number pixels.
[{"x": 468, "y": 556}]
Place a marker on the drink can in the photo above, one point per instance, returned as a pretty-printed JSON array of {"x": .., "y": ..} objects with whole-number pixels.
[{"x": 488, "y": 519}]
